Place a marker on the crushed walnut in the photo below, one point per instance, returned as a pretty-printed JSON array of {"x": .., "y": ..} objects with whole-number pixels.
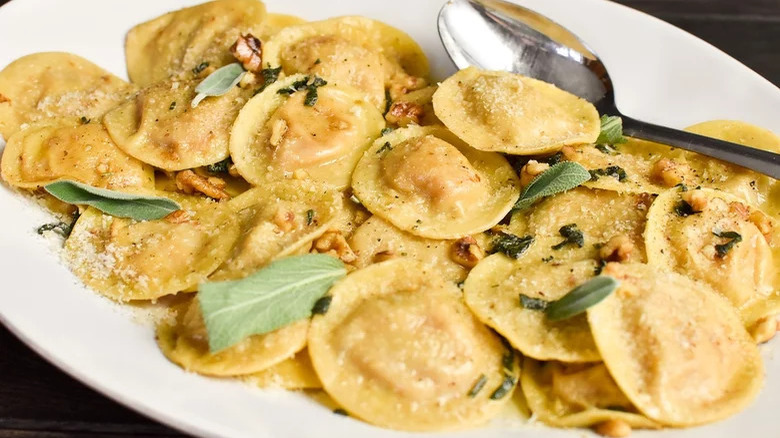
[
  {"x": 569, "y": 153},
  {"x": 402, "y": 83},
  {"x": 284, "y": 220},
  {"x": 248, "y": 50},
  {"x": 696, "y": 199},
  {"x": 190, "y": 182},
  {"x": 617, "y": 249},
  {"x": 613, "y": 428},
  {"x": 668, "y": 172},
  {"x": 334, "y": 243},
  {"x": 763, "y": 223},
  {"x": 531, "y": 170},
  {"x": 249, "y": 80},
  {"x": 466, "y": 252},
  {"x": 405, "y": 113},
  {"x": 278, "y": 129},
  {"x": 178, "y": 217}
]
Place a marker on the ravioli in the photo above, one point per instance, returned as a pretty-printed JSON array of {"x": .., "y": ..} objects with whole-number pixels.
[
  {"x": 747, "y": 273},
  {"x": 159, "y": 127},
  {"x": 63, "y": 148},
  {"x": 355, "y": 51},
  {"x": 294, "y": 373},
  {"x": 510, "y": 113},
  {"x": 377, "y": 240},
  {"x": 417, "y": 373},
  {"x": 753, "y": 187},
  {"x": 185, "y": 342},
  {"x": 605, "y": 219},
  {"x": 279, "y": 136},
  {"x": 493, "y": 289},
  {"x": 54, "y": 84},
  {"x": 181, "y": 40},
  {"x": 128, "y": 260},
  {"x": 675, "y": 347},
  {"x": 577, "y": 396},
  {"x": 276, "y": 221},
  {"x": 425, "y": 181}
]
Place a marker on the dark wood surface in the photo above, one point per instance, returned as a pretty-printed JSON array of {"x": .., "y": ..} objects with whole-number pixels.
[{"x": 38, "y": 400}]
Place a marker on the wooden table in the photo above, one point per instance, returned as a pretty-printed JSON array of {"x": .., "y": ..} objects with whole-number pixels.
[{"x": 38, "y": 400}]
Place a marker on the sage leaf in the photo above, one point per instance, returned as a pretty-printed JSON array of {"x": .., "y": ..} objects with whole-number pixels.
[
  {"x": 581, "y": 298},
  {"x": 561, "y": 177},
  {"x": 611, "y": 131},
  {"x": 119, "y": 204},
  {"x": 279, "y": 294},
  {"x": 219, "y": 82}
]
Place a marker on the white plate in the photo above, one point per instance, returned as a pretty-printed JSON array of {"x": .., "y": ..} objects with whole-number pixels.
[{"x": 661, "y": 73}]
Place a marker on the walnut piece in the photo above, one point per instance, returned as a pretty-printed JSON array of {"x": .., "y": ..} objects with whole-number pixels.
[
  {"x": 334, "y": 243},
  {"x": 530, "y": 171},
  {"x": 762, "y": 222},
  {"x": 613, "y": 428},
  {"x": 190, "y": 182},
  {"x": 405, "y": 113},
  {"x": 668, "y": 172},
  {"x": 248, "y": 50},
  {"x": 178, "y": 217},
  {"x": 284, "y": 219},
  {"x": 696, "y": 199},
  {"x": 617, "y": 249},
  {"x": 466, "y": 252},
  {"x": 402, "y": 83}
]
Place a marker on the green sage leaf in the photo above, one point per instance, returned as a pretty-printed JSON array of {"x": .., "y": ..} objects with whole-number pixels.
[
  {"x": 219, "y": 82},
  {"x": 581, "y": 298},
  {"x": 284, "y": 292},
  {"x": 611, "y": 131},
  {"x": 561, "y": 177},
  {"x": 119, "y": 204}
]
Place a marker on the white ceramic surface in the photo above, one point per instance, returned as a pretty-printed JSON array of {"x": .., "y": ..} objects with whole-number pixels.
[{"x": 662, "y": 74}]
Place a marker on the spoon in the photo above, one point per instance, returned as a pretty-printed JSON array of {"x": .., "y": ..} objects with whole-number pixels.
[{"x": 499, "y": 35}]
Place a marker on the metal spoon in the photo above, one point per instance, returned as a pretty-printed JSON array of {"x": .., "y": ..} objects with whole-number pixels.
[{"x": 498, "y": 35}]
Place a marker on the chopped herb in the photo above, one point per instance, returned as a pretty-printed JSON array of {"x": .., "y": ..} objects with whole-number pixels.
[
  {"x": 613, "y": 171},
  {"x": 478, "y": 385},
  {"x": 340, "y": 411},
  {"x": 270, "y": 75},
  {"x": 600, "y": 267},
  {"x": 682, "y": 187},
  {"x": 683, "y": 209},
  {"x": 317, "y": 61},
  {"x": 200, "y": 67},
  {"x": 547, "y": 259},
  {"x": 311, "y": 97},
  {"x": 554, "y": 159},
  {"x": 724, "y": 248},
  {"x": 385, "y": 147},
  {"x": 572, "y": 235},
  {"x": 607, "y": 149},
  {"x": 529, "y": 303},
  {"x": 386, "y": 131},
  {"x": 172, "y": 106},
  {"x": 322, "y": 305},
  {"x": 504, "y": 389},
  {"x": 581, "y": 298},
  {"x": 60, "y": 227},
  {"x": 510, "y": 245},
  {"x": 611, "y": 130},
  {"x": 309, "y": 216},
  {"x": 84, "y": 120},
  {"x": 220, "y": 167},
  {"x": 310, "y": 85},
  {"x": 388, "y": 102},
  {"x": 508, "y": 359}
]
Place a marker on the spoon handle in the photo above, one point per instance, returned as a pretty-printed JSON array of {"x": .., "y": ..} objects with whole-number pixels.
[{"x": 758, "y": 160}]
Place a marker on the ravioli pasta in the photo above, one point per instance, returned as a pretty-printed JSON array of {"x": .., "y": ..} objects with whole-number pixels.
[{"x": 451, "y": 305}]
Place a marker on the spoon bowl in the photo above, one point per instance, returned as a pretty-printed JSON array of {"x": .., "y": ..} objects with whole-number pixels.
[{"x": 499, "y": 35}]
